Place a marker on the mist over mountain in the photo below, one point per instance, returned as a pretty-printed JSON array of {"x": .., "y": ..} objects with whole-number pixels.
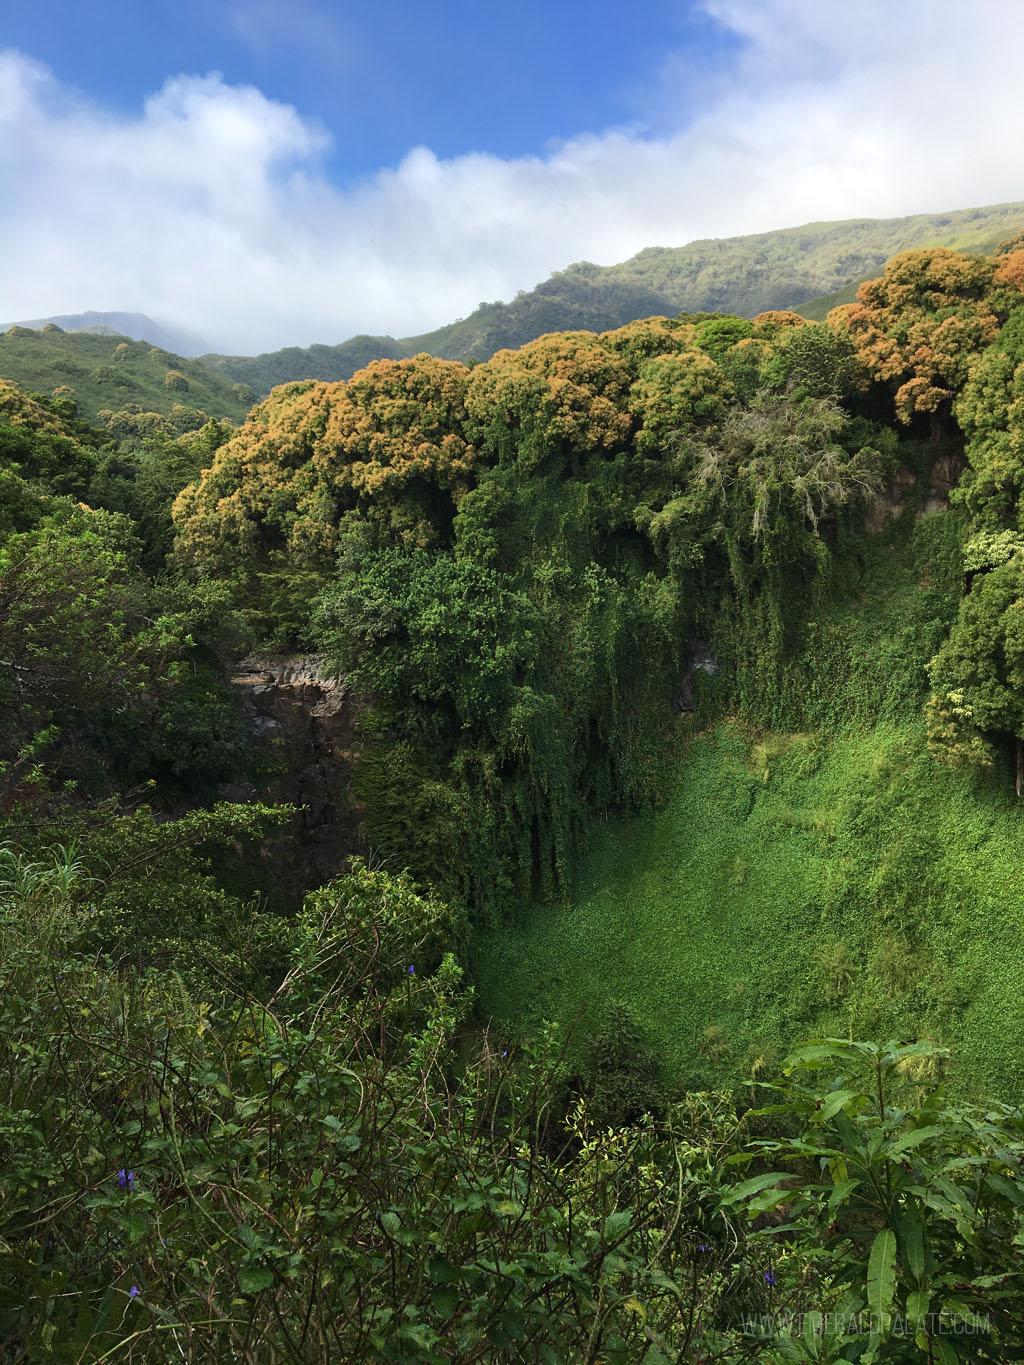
[
  {"x": 809, "y": 269},
  {"x": 790, "y": 268},
  {"x": 109, "y": 376},
  {"x": 137, "y": 326}
]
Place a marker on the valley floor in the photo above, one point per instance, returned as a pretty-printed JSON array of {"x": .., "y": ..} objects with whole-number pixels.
[{"x": 792, "y": 885}]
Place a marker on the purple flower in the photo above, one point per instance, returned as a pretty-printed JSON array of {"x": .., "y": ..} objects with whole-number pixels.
[
  {"x": 504, "y": 1052},
  {"x": 126, "y": 1179},
  {"x": 770, "y": 1279},
  {"x": 703, "y": 1246},
  {"x": 133, "y": 1293},
  {"x": 412, "y": 971}
]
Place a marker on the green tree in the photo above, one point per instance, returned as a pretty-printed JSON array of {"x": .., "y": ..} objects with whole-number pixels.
[
  {"x": 977, "y": 677},
  {"x": 71, "y": 636},
  {"x": 991, "y": 416}
]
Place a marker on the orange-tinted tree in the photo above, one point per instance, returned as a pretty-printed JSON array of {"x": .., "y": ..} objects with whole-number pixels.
[
  {"x": 390, "y": 444},
  {"x": 563, "y": 394},
  {"x": 917, "y": 327}
]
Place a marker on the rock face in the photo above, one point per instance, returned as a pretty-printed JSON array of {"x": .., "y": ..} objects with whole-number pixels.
[
  {"x": 944, "y": 477},
  {"x": 946, "y": 473},
  {"x": 302, "y": 721},
  {"x": 889, "y": 503}
]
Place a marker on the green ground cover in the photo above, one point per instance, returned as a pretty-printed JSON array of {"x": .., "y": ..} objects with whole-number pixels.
[
  {"x": 791, "y": 885},
  {"x": 104, "y": 374},
  {"x": 817, "y": 872}
]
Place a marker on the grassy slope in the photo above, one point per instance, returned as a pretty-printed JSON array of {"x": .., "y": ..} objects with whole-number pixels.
[
  {"x": 107, "y": 372},
  {"x": 977, "y": 237},
  {"x": 832, "y": 880},
  {"x": 743, "y": 275},
  {"x": 711, "y": 917}
]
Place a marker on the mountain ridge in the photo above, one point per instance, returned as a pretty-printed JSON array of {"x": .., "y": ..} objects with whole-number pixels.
[
  {"x": 106, "y": 375},
  {"x": 135, "y": 326},
  {"x": 786, "y": 268}
]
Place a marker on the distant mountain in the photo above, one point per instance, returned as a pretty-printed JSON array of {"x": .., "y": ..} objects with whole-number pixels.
[
  {"x": 791, "y": 268},
  {"x": 104, "y": 372},
  {"x": 135, "y": 325},
  {"x": 263, "y": 372}
]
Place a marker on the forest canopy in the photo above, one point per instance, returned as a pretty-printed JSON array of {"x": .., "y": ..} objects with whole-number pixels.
[{"x": 277, "y": 1125}]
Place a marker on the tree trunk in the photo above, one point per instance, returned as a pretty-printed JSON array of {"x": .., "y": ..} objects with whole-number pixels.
[{"x": 1020, "y": 768}]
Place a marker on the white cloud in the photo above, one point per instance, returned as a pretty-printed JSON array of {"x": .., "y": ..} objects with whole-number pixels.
[{"x": 210, "y": 207}]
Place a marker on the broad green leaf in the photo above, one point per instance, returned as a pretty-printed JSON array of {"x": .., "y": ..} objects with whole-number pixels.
[
  {"x": 768, "y": 1199},
  {"x": 1000, "y": 1185},
  {"x": 913, "y": 1139},
  {"x": 917, "y": 1304},
  {"x": 990, "y": 1281},
  {"x": 616, "y": 1225},
  {"x": 881, "y": 1284},
  {"x": 812, "y": 1334},
  {"x": 513, "y": 1324},
  {"x": 941, "y": 1205},
  {"x": 835, "y": 1102},
  {"x": 871, "y": 1353},
  {"x": 848, "y": 1131},
  {"x": 750, "y": 1187},
  {"x": 912, "y": 1239},
  {"x": 446, "y": 1299},
  {"x": 814, "y": 1056},
  {"x": 953, "y": 1193},
  {"x": 944, "y": 1353},
  {"x": 441, "y": 1271},
  {"x": 841, "y": 1192},
  {"x": 786, "y": 1348},
  {"x": 253, "y": 1278}
]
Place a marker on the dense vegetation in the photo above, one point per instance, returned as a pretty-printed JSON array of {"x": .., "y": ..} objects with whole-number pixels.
[
  {"x": 112, "y": 379},
  {"x": 120, "y": 325},
  {"x": 526, "y": 1085}
]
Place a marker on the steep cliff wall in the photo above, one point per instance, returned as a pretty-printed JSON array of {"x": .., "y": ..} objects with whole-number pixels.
[
  {"x": 940, "y": 481},
  {"x": 302, "y": 723}
]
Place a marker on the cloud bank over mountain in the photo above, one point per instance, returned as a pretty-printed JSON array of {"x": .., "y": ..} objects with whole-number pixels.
[{"x": 212, "y": 206}]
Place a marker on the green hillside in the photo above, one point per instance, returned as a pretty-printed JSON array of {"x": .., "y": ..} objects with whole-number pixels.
[
  {"x": 327, "y": 363},
  {"x": 792, "y": 268},
  {"x": 107, "y": 374},
  {"x": 663, "y": 691},
  {"x": 124, "y": 326},
  {"x": 827, "y": 879},
  {"x": 979, "y": 238},
  {"x": 794, "y": 885}
]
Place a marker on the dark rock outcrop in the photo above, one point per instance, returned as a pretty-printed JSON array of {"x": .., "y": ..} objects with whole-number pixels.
[
  {"x": 944, "y": 477},
  {"x": 889, "y": 503},
  {"x": 302, "y": 722}
]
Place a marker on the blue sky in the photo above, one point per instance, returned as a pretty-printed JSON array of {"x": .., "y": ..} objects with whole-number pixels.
[
  {"x": 462, "y": 76},
  {"x": 279, "y": 172}
]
